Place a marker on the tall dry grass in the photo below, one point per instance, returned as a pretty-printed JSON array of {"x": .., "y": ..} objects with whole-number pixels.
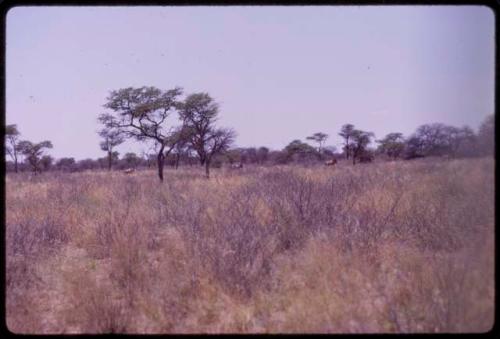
[{"x": 384, "y": 247}]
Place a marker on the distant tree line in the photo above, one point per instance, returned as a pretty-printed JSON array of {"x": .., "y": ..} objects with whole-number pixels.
[{"x": 141, "y": 114}]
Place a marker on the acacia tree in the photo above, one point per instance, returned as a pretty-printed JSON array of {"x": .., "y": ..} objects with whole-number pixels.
[
  {"x": 131, "y": 160},
  {"x": 434, "y": 138},
  {"x": 392, "y": 145},
  {"x": 297, "y": 148},
  {"x": 234, "y": 155},
  {"x": 111, "y": 138},
  {"x": 249, "y": 155},
  {"x": 141, "y": 113},
  {"x": 262, "y": 155},
  {"x": 347, "y": 132},
  {"x": 460, "y": 139},
  {"x": 182, "y": 147},
  {"x": 34, "y": 152},
  {"x": 199, "y": 114},
  {"x": 46, "y": 161},
  {"x": 360, "y": 141},
  {"x": 66, "y": 164},
  {"x": 319, "y": 138},
  {"x": 12, "y": 144},
  {"x": 86, "y": 164}
]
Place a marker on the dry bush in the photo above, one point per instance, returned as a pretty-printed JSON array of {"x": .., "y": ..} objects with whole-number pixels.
[
  {"x": 384, "y": 247},
  {"x": 22, "y": 285},
  {"x": 97, "y": 308}
]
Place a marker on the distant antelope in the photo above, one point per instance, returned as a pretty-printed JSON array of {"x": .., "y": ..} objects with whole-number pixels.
[
  {"x": 237, "y": 165},
  {"x": 331, "y": 162},
  {"x": 129, "y": 170}
]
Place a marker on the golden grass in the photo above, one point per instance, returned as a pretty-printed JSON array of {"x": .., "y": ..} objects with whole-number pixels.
[{"x": 384, "y": 247}]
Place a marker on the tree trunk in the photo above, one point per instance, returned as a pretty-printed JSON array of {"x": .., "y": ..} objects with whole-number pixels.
[
  {"x": 178, "y": 157},
  {"x": 203, "y": 159},
  {"x": 15, "y": 164},
  {"x": 109, "y": 161},
  {"x": 207, "y": 169},
  {"x": 161, "y": 163}
]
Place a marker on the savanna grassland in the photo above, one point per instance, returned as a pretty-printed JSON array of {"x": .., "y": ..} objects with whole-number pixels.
[{"x": 404, "y": 246}]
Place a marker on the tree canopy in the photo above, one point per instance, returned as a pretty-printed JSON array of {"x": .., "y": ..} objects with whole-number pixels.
[
  {"x": 12, "y": 144},
  {"x": 199, "y": 113},
  {"x": 142, "y": 113},
  {"x": 34, "y": 152}
]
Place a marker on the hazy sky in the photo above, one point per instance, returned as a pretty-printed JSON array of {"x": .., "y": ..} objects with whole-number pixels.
[{"x": 279, "y": 73}]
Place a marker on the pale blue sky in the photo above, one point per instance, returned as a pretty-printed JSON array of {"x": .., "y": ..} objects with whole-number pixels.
[{"x": 279, "y": 73}]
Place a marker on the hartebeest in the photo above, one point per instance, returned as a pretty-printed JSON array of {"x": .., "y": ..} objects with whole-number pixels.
[{"x": 331, "y": 162}]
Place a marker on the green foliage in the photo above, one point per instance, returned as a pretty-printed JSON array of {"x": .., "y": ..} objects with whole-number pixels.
[
  {"x": 262, "y": 154},
  {"x": 346, "y": 132},
  {"x": 359, "y": 144},
  {"x": 140, "y": 113},
  {"x": 233, "y": 155},
  {"x": 433, "y": 138},
  {"x": 111, "y": 138},
  {"x": 33, "y": 152},
  {"x": 299, "y": 150},
  {"x": 297, "y": 146},
  {"x": 46, "y": 162},
  {"x": 392, "y": 145},
  {"x": 199, "y": 109},
  {"x": 439, "y": 139},
  {"x": 198, "y": 113},
  {"x": 66, "y": 164},
  {"x": 319, "y": 138},
  {"x": 131, "y": 159},
  {"x": 12, "y": 143}
]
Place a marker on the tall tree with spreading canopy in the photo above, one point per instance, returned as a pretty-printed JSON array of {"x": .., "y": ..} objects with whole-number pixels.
[
  {"x": 434, "y": 138},
  {"x": 320, "y": 139},
  {"x": 347, "y": 132},
  {"x": 111, "y": 139},
  {"x": 33, "y": 153},
  {"x": 131, "y": 160},
  {"x": 298, "y": 149},
  {"x": 460, "y": 141},
  {"x": 262, "y": 154},
  {"x": 66, "y": 164},
  {"x": 360, "y": 142},
  {"x": 393, "y": 145},
  {"x": 12, "y": 143},
  {"x": 141, "y": 113},
  {"x": 199, "y": 113}
]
